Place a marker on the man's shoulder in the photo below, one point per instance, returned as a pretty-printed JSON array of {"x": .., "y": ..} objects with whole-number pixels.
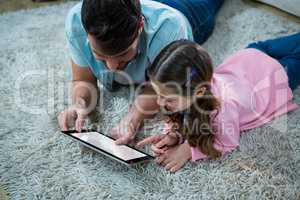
[
  {"x": 73, "y": 23},
  {"x": 155, "y": 12}
]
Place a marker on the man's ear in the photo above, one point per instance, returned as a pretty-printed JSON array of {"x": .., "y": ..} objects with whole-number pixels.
[
  {"x": 141, "y": 25},
  {"x": 142, "y": 22},
  {"x": 200, "y": 91}
]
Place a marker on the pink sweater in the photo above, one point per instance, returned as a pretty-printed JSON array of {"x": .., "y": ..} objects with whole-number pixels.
[{"x": 252, "y": 88}]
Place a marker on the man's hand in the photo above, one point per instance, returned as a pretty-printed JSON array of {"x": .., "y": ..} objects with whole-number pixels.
[
  {"x": 84, "y": 96},
  {"x": 73, "y": 115},
  {"x": 145, "y": 106},
  {"x": 124, "y": 131}
]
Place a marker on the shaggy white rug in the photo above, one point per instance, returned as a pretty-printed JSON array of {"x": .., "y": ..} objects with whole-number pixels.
[{"x": 37, "y": 162}]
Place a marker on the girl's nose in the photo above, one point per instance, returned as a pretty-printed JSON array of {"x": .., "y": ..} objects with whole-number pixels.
[{"x": 160, "y": 102}]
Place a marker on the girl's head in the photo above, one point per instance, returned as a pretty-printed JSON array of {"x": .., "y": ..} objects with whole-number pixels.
[{"x": 181, "y": 75}]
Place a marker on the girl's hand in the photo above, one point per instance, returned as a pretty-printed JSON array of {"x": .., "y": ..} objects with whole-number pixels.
[
  {"x": 160, "y": 143},
  {"x": 175, "y": 158}
]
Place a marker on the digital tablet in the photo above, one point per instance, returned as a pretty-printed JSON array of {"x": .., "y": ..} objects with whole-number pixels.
[{"x": 106, "y": 145}]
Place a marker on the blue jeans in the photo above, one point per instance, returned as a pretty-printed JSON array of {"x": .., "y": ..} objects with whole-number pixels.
[
  {"x": 286, "y": 50},
  {"x": 200, "y": 13}
]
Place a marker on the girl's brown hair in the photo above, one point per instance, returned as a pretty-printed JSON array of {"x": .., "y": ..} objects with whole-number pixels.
[{"x": 189, "y": 66}]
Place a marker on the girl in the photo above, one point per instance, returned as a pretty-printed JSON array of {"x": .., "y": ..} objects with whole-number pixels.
[{"x": 208, "y": 109}]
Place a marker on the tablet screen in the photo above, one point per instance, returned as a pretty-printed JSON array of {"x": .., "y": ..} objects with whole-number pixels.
[{"x": 107, "y": 144}]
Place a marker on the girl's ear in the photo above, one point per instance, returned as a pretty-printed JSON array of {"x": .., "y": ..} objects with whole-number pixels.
[{"x": 200, "y": 92}]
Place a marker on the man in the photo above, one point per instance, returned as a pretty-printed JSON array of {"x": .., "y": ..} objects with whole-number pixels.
[{"x": 115, "y": 40}]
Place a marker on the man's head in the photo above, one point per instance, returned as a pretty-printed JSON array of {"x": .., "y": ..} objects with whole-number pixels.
[{"x": 113, "y": 28}]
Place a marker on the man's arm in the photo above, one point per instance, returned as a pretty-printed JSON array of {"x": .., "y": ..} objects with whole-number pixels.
[
  {"x": 84, "y": 97},
  {"x": 143, "y": 107},
  {"x": 84, "y": 87}
]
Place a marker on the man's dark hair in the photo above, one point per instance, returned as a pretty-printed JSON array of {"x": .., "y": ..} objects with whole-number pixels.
[{"x": 114, "y": 23}]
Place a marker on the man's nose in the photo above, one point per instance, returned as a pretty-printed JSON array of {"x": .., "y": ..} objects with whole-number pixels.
[{"x": 112, "y": 64}]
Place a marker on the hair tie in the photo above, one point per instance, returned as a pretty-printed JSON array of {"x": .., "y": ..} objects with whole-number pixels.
[{"x": 193, "y": 73}]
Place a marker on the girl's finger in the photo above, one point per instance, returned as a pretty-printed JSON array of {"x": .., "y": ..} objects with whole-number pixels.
[
  {"x": 156, "y": 150},
  {"x": 163, "y": 142},
  {"x": 168, "y": 160},
  {"x": 149, "y": 140},
  {"x": 176, "y": 167},
  {"x": 156, "y": 155},
  {"x": 165, "y": 162},
  {"x": 165, "y": 148},
  {"x": 170, "y": 165},
  {"x": 159, "y": 159}
]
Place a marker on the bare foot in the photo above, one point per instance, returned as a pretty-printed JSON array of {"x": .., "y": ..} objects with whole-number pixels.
[{"x": 175, "y": 157}]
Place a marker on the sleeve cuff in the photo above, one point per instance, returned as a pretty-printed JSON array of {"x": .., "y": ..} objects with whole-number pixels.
[{"x": 197, "y": 154}]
